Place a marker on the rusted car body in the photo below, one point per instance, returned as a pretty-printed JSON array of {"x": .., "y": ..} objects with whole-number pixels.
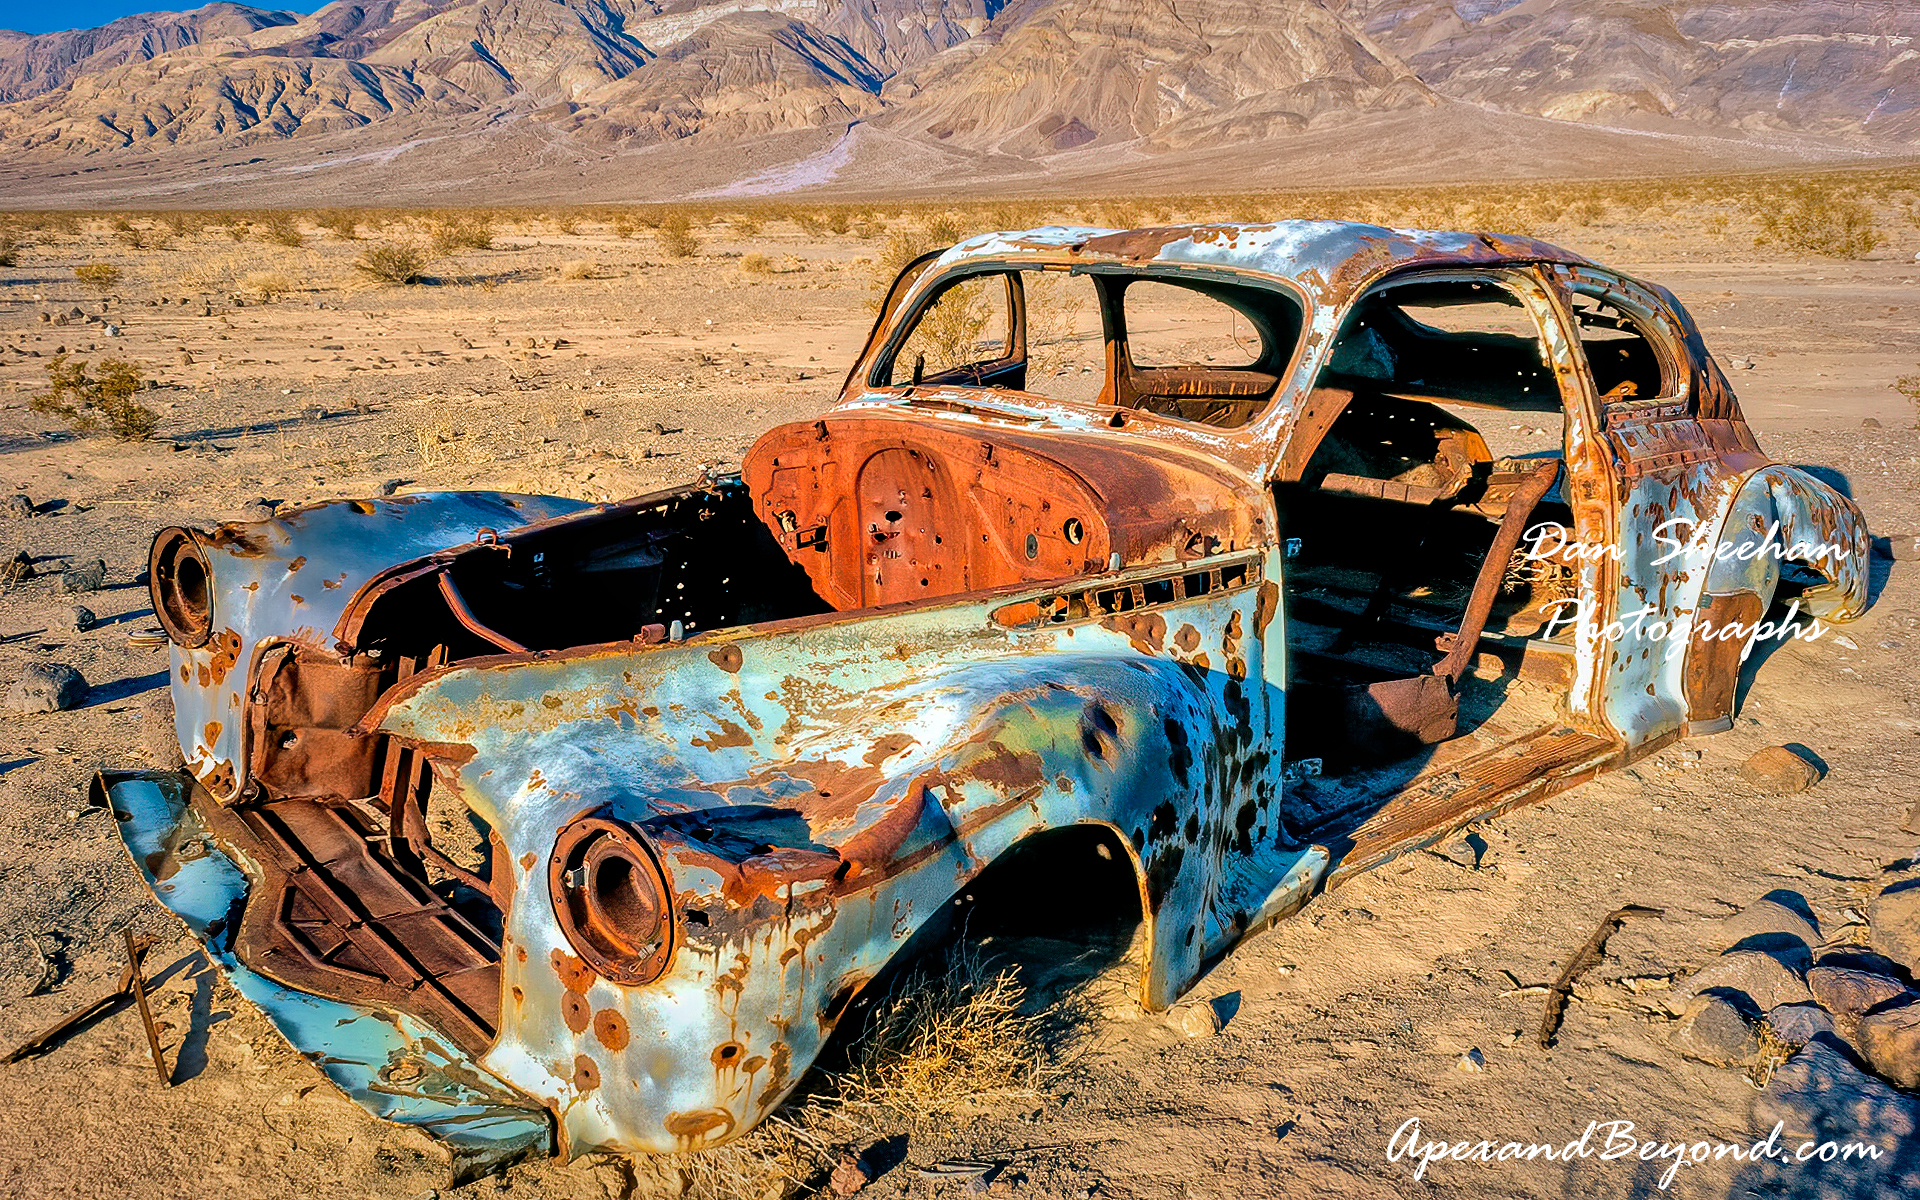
[{"x": 557, "y": 827}]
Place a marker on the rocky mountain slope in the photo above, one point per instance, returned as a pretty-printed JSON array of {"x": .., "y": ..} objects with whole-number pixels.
[{"x": 982, "y": 86}]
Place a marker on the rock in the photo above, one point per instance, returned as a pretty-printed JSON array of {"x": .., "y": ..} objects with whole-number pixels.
[
  {"x": 1890, "y": 1040},
  {"x": 1819, "y": 1095},
  {"x": 1196, "y": 1020},
  {"x": 1778, "y": 771},
  {"x": 77, "y": 619},
  {"x": 15, "y": 567},
  {"x": 1778, "y": 914},
  {"x": 850, "y": 1174},
  {"x": 1847, "y": 993},
  {"x": 1767, "y": 979},
  {"x": 1869, "y": 423},
  {"x": 1894, "y": 921},
  {"x": 258, "y": 510},
  {"x": 18, "y": 507},
  {"x": 1797, "y": 1023},
  {"x": 389, "y": 486},
  {"x": 45, "y": 688},
  {"x": 1471, "y": 1062},
  {"x": 88, "y": 577},
  {"x": 1714, "y": 1030}
]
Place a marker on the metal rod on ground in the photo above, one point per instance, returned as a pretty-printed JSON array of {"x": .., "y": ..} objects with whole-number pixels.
[
  {"x": 43, "y": 1040},
  {"x": 146, "y": 1012}
]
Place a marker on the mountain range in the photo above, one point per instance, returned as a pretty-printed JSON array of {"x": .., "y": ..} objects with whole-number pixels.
[{"x": 649, "y": 99}]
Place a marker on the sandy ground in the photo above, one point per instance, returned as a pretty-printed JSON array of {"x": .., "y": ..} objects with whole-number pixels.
[{"x": 1346, "y": 1021}]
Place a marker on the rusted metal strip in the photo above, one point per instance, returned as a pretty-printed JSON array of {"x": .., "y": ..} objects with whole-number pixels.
[
  {"x": 1487, "y": 586},
  {"x": 461, "y": 613},
  {"x": 139, "y": 986},
  {"x": 44, "y": 1041},
  {"x": 1586, "y": 959}
]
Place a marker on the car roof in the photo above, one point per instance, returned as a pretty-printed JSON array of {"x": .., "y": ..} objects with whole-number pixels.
[{"x": 1330, "y": 260}]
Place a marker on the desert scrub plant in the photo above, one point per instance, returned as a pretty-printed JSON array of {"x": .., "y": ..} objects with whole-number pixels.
[
  {"x": 10, "y": 247},
  {"x": 393, "y": 262},
  {"x": 463, "y": 231},
  {"x": 268, "y": 285},
  {"x": 103, "y": 401},
  {"x": 97, "y": 275},
  {"x": 675, "y": 235},
  {"x": 756, "y": 264},
  {"x": 341, "y": 223},
  {"x": 1909, "y": 386},
  {"x": 579, "y": 268},
  {"x": 1812, "y": 219},
  {"x": 281, "y": 229}
]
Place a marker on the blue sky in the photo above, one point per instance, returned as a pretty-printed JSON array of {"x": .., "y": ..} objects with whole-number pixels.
[{"x": 82, "y": 14}]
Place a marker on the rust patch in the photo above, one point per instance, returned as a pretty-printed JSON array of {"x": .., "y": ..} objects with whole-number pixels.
[
  {"x": 586, "y": 1074},
  {"x": 296, "y": 564},
  {"x": 1007, "y": 770},
  {"x": 211, "y": 732},
  {"x": 886, "y": 747},
  {"x": 224, "y": 652},
  {"x": 1188, "y": 639},
  {"x": 528, "y": 861},
  {"x": 1267, "y": 608},
  {"x": 575, "y": 975},
  {"x": 695, "y": 1125},
  {"x": 1147, "y": 631},
  {"x": 576, "y": 1011},
  {"x": 727, "y": 658},
  {"x": 727, "y": 1054},
  {"x": 730, "y": 733},
  {"x": 611, "y": 1028}
]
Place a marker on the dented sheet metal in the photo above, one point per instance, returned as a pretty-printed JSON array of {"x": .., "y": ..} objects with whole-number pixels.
[{"x": 395, "y": 1068}]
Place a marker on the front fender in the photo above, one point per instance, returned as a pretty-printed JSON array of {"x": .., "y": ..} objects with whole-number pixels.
[{"x": 817, "y": 796}]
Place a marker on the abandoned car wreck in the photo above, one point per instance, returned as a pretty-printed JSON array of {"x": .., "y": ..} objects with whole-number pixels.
[{"x": 553, "y": 827}]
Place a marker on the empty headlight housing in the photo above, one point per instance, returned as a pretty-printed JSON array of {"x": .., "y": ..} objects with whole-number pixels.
[
  {"x": 181, "y": 583},
  {"x": 613, "y": 900}
]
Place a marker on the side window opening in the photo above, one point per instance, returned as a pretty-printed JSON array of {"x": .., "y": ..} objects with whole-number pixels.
[
  {"x": 1204, "y": 352},
  {"x": 966, "y": 336},
  {"x": 1627, "y": 369}
]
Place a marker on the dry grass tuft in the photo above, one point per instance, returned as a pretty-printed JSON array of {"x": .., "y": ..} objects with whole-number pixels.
[
  {"x": 756, "y": 264},
  {"x": 579, "y": 268},
  {"x": 267, "y": 285},
  {"x": 1817, "y": 220},
  {"x": 280, "y": 228},
  {"x": 451, "y": 232},
  {"x": 98, "y": 276},
  {"x": 946, "y": 1042},
  {"x": 1909, "y": 386}
]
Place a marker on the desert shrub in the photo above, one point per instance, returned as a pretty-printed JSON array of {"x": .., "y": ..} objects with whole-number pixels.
[
  {"x": 184, "y": 224},
  {"x": 1812, "y": 219},
  {"x": 9, "y": 250},
  {"x": 565, "y": 222},
  {"x": 839, "y": 220},
  {"x": 129, "y": 233},
  {"x": 268, "y": 284},
  {"x": 341, "y": 223},
  {"x": 281, "y": 229},
  {"x": 1909, "y": 386},
  {"x": 756, "y": 264},
  {"x": 393, "y": 262},
  {"x": 809, "y": 221},
  {"x": 92, "y": 403},
  {"x": 464, "y": 231},
  {"x": 745, "y": 225},
  {"x": 579, "y": 268},
  {"x": 676, "y": 237},
  {"x": 98, "y": 276}
]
